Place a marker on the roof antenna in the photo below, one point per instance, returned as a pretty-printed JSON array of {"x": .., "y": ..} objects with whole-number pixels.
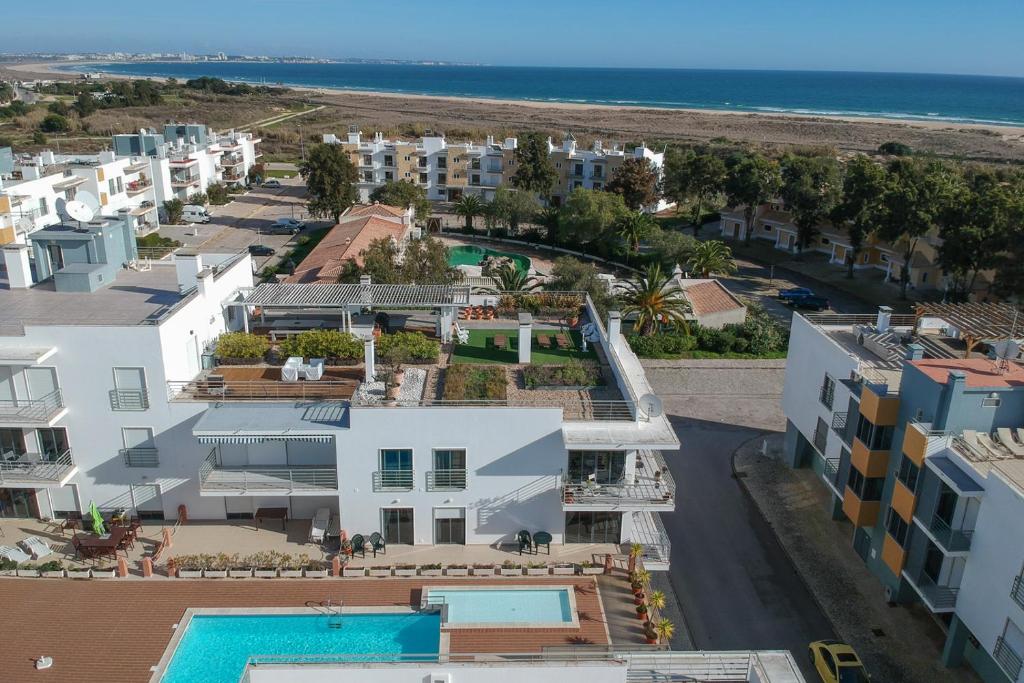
[{"x": 1007, "y": 348}]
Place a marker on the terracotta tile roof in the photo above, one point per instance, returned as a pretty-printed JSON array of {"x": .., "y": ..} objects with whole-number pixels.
[
  {"x": 343, "y": 243},
  {"x": 710, "y": 297},
  {"x": 375, "y": 210},
  {"x": 981, "y": 373},
  {"x": 114, "y": 631}
]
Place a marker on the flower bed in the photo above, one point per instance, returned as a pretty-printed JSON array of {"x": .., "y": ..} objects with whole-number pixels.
[
  {"x": 413, "y": 347},
  {"x": 465, "y": 382},
  {"x": 572, "y": 375}
]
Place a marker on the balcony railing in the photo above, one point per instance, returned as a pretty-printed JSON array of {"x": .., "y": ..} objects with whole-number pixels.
[
  {"x": 831, "y": 472},
  {"x": 1009, "y": 660},
  {"x": 140, "y": 457},
  {"x": 393, "y": 480},
  {"x": 1017, "y": 592},
  {"x": 19, "y": 411},
  {"x": 138, "y": 186},
  {"x": 446, "y": 480},
  {"x": 952, "y": 540},
  {"x": 939, "y": 598},
  {"x": 36, "y": 468},
  {"x": 290, "y": 479},
  {"x": 213, "y": 389},
  {"x": 839, "y": 426},
  {"x": 653, "y": 487},
  {"x": 129, "y": 399},
  {"x": 649, "y": 532}
]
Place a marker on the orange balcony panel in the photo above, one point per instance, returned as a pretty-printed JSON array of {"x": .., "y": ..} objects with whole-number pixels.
[
  {"x": 5, "y": 204},
  {"x": 903, "y": 501},
  {"x": 7, "y": 235},
  {"x": 915, "y": 444},
  {"x": 893, "y": 555},
  {"x": 860, "y": 512},
  {"x": 879, "y": 410},
  {"x": 869, "y": 463}
]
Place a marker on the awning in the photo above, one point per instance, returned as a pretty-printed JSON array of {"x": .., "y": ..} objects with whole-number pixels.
[{"x": 260, "y": 438}]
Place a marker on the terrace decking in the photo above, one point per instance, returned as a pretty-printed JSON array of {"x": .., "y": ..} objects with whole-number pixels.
[
  {"x": 133, "y": 621},
  {"x": 263, "y": 383}
]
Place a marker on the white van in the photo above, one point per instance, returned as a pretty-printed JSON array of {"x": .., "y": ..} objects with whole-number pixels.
[{"x": 193, "y": 213}]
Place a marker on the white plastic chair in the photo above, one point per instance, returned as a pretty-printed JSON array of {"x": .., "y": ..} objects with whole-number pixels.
[
  {"x": 36, "y": 547},
  {"x": 318, "y": 525},
  {"x": 13, "y": 554},
  {"x": 315, "y": 369},
  {"x": 290, "y": 369}
]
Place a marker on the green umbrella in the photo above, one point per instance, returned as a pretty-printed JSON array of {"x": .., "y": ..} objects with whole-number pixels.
[{"x": 97, "y": 520}]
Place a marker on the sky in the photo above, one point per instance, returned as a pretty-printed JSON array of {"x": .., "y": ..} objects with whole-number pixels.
[{"x": 927, "y": 36}]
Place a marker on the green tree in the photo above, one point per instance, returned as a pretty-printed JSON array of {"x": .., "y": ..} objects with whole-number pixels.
[
  {"x": 712, "y": 257},
  {"x": 514, "y": 207},
  {"x": 218, "y": 194},
  {"x": 330, "y": 181},
  {"x": 810, "y": 188},
  {"x": 425, "y": 262},
  {"x": 570, "y": 274},
  {"x": 59, "y": 107},
  {"x": 54, "y": 123},
  {"x": 693, "y": 178},
  {"x": 469, "y": 207},
  {"x": 534, "y": 170},
  {"x": 380, "y": 262},
  {"x": 634, "y": 227},
  {"x": 750, "y": 181},
  {"x": 6, "y": 92},
  {"x": 85, "y": 104},
  {"x": 896, "y": 149},
  {"x": 917, "y": 195},
  {"x": 655, "y": 298},
  {"x": 550, "y": 218},
  {"x": 508, "y": 278},
  {"x": 859, "y": 204},
  {"x": 38, "y": 138},
  {"x": 672, "y": 248},
  {"x": 591, "y": 216},
  {"x": 173, "y": 209},
  {"x": 404, "y": 194},
  {"x": 637, "y": 181}
]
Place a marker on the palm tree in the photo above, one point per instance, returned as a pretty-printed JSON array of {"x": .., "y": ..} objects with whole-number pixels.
[
  {"x": 656, "y": 600},
  {"x": 665, "y": 629},
  {"x": 469, "y": 207},
  {"x": 711, "y": 257},
  {"x": 634, "y": 227},
  {"x": 508, "y": 278},
  {"x": 655, "y": 298}
]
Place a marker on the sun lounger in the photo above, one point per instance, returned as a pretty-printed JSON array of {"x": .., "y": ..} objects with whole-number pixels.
[
  {"x": 987, "y": 444},
  {"x": 562, "y": 341},
  {"x": 36, "y": 547},
  {"x": 1006, "y": 438},
  {"x": 500, "y": 342},
  {"x": 543, "y": 341},
  {"x": 318, "y": 526},
  {"x": 14, "y": 554}
]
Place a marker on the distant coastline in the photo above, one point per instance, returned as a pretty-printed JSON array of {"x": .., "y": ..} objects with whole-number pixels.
[{"x": 992, "y": 102}]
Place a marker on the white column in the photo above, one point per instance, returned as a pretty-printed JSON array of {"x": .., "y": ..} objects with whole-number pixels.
[
  {"x": 525, "y": 337},
  {"x": 369, "y": 359},
  {"x": 19, "y": 270}
]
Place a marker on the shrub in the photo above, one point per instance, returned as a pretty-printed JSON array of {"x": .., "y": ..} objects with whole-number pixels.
[
  {"x": 7, "y": 565},
  {"x": 464, "y": 382},
  {"x": 218, "y": 194},
  {"x": 54, "y": 123},
  {"x": 571, "y": 374},
  {"x": 242, "y": 345},
  {"x": 897, "y": 149},
  {"x": 724, "y": 342},
  {"x": 199, "y": 199},
  {"x": 664, "y": 345},
  {"x": 323, "y": 344},
  {"x": 417, "y": 346}
]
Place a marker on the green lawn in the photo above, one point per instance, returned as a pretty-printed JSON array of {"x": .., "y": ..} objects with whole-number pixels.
[
  {"x": 279, "y": 173},
  {"x": 480, "y": 349}
]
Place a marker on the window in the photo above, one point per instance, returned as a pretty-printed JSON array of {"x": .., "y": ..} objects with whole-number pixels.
[
  {"x": 599, "y": 467},
  {"x": 398, "y": 525},
  {"x": 449, "y": 471},
  {"x": 388, "y": 175},
  {"x": 475, "y": 179},
  {"x": 442, "y": 178},
  {"x": 821, "y": 436},
  {"x": 442, "y": 162},
  {"x": 389, "y": 160},
  {"x": 423, "y": 178},
  {"x": 423, "y": 162},
  {"x": 828, "y": 392},
  {"x": 598, "y": 172},
  {"x": 368, "y": 176},
  {"x": 367, "y": 159},
  {"x": 12, "y": 443},
  {"x": 824, "y": 241},
  {"x": 139, "y": 447},
  {"x": 897, "y": 528},
  {"x": 395, "y": 470},
  {"x": 450, "y": 526},
  {"x": 597, "y": 186},
  {"x": 578, "y": 169},
  {"x": 865, "y": 488},
  {"x": 766, "y": 227},
  {"x": 593, "y": 527},
  {"x": 908, "y": 474},
  {"x": 112, "y": 186},
  {"x": 874, "y": 437},
  {"x": 576, "y": 184},
  {"x": 120, "y": 184},
  {"x": 129, "y": 392},
  {"x": 53, "y": 441}
]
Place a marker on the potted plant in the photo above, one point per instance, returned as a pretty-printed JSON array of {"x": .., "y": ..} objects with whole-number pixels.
[
  {"x": 641, "y": 611},
  {"x": 456, "y": 570},
  {"x": 291, "y": 567},
  {"x": 396, "y": 356},
  {"x": 536, "y": 569},
  {"x": 353, "y": 571},
  {"x": 635, "y": 551},
  {"x": 656, "y": 600},
  {"x": 27, "y": 569},
  {"x": 239, "y": 567},
  {"x": 104, "y": 572},
  {"x": 218, "y": 566},
  {"x": 650, "y": 633},
  {"x": 8, "y": 567},
  {"x": 191, "y": 566},
  {"x": 405, "y": 570},
  {"x": 54, "y": 569},
  {"x": 665, "y": 630},
  {"x": 79, "y": 573},
  {"x": 484, "y": 569},
  {"x": 588, "y": 568},
  {"x": 347, "y": 549},
  {"x": 314, "y": 569},
  {"x": 510, "y": 568},
  {"x": 392, "y": 387},
  {"x": 380, "y": 571},
  {"x": 641, "y": 578},
  {"x": 563, "y": 569},
  {"x": 430, "y": 570},
  {"x": 266, "y": 564}
]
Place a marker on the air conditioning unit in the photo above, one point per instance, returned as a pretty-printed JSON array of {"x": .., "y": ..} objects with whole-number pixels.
[{"x": 440, "y": 678}]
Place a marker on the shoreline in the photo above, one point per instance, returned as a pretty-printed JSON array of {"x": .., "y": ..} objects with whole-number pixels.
[{"x": 1007, "y": 130}]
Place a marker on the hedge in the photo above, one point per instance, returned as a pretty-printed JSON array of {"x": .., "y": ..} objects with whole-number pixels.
[
  {"x": 323, "y": 344},
  {"x": 418, "y": 347},
  {"x": 242, "y": 345}
]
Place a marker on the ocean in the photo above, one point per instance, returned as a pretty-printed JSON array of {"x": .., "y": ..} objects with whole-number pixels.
[{"x": 930, "y": 97}]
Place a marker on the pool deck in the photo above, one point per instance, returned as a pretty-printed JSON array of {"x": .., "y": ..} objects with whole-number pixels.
[{"x": 112, "y": 631}]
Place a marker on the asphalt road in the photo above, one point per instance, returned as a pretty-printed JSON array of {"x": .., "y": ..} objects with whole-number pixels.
[{"x": 735, "y": 584}]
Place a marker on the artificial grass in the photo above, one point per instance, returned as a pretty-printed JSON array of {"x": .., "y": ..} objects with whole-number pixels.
[{"x": 480, "y": 348}]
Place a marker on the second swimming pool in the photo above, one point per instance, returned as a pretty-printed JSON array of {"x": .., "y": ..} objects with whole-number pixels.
[
  {"x": 472, "y": 255},
  {"x": 525, "y": 607}
]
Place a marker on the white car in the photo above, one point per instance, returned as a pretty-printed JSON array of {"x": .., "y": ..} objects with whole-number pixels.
[{"x": 273, "y": 184}]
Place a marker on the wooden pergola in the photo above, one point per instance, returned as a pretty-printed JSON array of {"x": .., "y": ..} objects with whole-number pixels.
[{"x": 976, "y": 322}]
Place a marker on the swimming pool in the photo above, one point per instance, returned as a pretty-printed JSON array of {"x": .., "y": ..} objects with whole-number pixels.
[
  {"x": 471, "y": 255},
  {"x": 508, "y": 607},
  {"x": 215, "y": 648}
]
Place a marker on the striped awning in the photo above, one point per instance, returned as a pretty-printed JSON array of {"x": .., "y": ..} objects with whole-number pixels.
[{"x": 260, "y": 438}]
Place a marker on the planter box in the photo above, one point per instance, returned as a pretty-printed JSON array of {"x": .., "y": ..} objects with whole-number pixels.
[
  {"x": 405, "y": 572},
  {"x": 215, "y": 573},
  {"x": 591, "y": 571},
  {"x": 79, "y": 573},
  {"x": 59, "y": 574},
  {"x": 291, "y": 573},
  {"x": 355, "y": 571},
  {"x": 563, "y": 387},
  {"x": 483, "y": 571},
  {"x": 34, "y": 573},
  {"x": 563, "y": 571},
  {"x": 457, "y": 571},
  {"x": 102, "y": 573},
  {"x": 430, "y": 572},
  {"x": 190, "y": 573},
  {"x": 240, "y": 573},
  {"x": 511, "y": 572},
  {"x": 317, "y": 573},
  {"x": 267, "y": 573},
  {"x": 380, "y": 572},
  {"x": 8, "y": 572},
  {"x": 536, "y": 571}
]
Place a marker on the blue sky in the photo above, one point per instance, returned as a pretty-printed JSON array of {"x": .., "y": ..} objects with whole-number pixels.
[{"x": 944, "y": 36}]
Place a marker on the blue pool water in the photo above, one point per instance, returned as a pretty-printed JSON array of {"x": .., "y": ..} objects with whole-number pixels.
[
  {"x": 214, "y": 649},
  {"x": 472, "y": 606}
]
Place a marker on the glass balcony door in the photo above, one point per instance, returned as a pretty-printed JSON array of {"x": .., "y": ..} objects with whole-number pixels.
[
  {"x": 599, "y": 467},
  {"x": 398, "y": 525}
]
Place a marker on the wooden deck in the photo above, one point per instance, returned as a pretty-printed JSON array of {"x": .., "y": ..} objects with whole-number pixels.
[
  {"x": 258, "y": 382},
  {"x": 108, "y": 632}
]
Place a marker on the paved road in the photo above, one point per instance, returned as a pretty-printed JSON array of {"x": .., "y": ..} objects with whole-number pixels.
[{"x": 735, "y": 584}]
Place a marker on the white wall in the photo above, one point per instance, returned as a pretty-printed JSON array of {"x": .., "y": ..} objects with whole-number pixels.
[{"x": 535, "y": 672}]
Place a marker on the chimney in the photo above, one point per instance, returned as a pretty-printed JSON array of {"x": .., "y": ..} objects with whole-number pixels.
[
  {"x": 204, "y": 282},
  {"x": 364, "y": 280},
  {"x": 369, "y": 360},
  {"x": 884, "y": 316},
  {"x": 408, "y": 216},
  {"x": 614, "y": 328},
  {"x": 525, "y": 337},
  {"x": 187, "y": 266},
  {"x": 19, "y": 271},
  {"x": 914, "y": 352}
]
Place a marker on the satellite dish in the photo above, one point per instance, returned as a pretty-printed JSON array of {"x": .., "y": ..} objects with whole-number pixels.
[
  {"x": 87, "y": 198},
  {"x": 79, "y": 211},
  {"x": 651, "y": 405},
  {"x": 1007, "y": 349}
]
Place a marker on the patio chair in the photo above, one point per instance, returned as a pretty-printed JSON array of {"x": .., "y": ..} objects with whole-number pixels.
[
  {"x": 542, "y": 538},
  {"x": 14, "y": 554},
  {"x": 290, "y": 369},
  {"x": 525, "y": 541},
  {"x": 315, "y": 369},
  {"x": 36, "y": 547},
  {"x": 500, "y": 342},
  {"x": 377, "y": 541},
  {"x": 359, "y": 545},
  {"x": 1006, "y": 437},
  {"x": 562, "y": 341},
  {"x": 318, "y": 525},
  {"x": 543, "y": 341}
]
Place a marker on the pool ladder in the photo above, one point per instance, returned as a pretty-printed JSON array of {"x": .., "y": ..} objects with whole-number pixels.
[{"x": 334, "y": 614}]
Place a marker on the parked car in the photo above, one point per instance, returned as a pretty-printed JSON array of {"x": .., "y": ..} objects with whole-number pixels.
[
  {"x": 193, "y": 213},
  {"x": 285, "y": 226},
  {"x": 272, "y": 184},
  {"x": 836, "y": 662},
  {"x": 811, "y": 302},
  {"x": 261, "y": 250},
  {"x": 794, "y": 292}
]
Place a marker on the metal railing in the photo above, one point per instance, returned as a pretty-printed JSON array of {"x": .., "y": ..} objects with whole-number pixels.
[
  {"x": 38, "y": 468},
  {"x": 15, "y": 411},
  {"x": 953, "y": 540},
  {"x": 256, "y": 480},
  {"x": 653, "y": 486},
  {"x": 446, "y": 480},
  {"x": 129, "y": 399},
  {"x": 1009, "y": 660},
  {"x": 155, "y": 252},
  {"x": 393, "y": 480},
  {"x": 140, "y": 457},
  {"x": 939, "y": 598},
  {"x": 649, "y": 532},
  {"x": 204, "y": 390},
  {"x": 839, "y": 421},
  {"x": 1017, "y": 591},
  {"x": 831, "y": 472},
  {"x": 858, "y": 319},
  {"x": 138, "y": 186}
]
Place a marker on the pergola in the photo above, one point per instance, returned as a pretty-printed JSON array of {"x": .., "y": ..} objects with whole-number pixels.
[
  {"x": 349, "y": 299},
  {"x": 976, "y": 322}
]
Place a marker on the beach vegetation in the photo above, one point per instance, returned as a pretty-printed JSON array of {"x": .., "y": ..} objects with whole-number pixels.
[
  {"x": 751, "y": 179},
  {"x": 694, "y": 178},
  {"x": 405, "y": 195},
  {"x": 810, "y": 188},
  {"x": 534, "y": 170},
  {"x": 896, "y": 149},
  {"x": 55, "y": 123},
  {"x": 330, "y": 181},
  {"x": 637, "y": 181}
]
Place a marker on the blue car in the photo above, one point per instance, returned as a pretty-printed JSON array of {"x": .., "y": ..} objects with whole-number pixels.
[
  {"x": 811, "y": 302},
  {"x": 794, "y": 293}
]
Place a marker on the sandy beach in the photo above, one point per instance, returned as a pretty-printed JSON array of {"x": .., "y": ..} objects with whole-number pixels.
[{"x": 630, "y": 124}]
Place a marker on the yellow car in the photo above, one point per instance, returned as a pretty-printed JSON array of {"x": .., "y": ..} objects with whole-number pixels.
[{"x": 836, "y": 662}]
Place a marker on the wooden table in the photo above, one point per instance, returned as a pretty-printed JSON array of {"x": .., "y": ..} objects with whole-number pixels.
[
  {"x": 271, "y": 513},
  {"x": 102, "y": 545}
]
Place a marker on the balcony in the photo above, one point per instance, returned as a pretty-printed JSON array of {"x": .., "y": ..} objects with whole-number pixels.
[
  {"x": 860, "y": 512},
  {"x": 138, "y": 187},
  {"x": 393, "y": 480},
  {"x": 232, "y": 161},
  {"x": 46, "y": 410},
  {"x": 839, "y": 422},
  {"x": 283, "y": 480},
  {"x": 140, "y": 457},
  {"x": 652, "y": 489},
  {"x": 894, "y": 555},
  {"x": 1017, "y": 592},
  {"x": 260, "y": 383},
  {"x": 949, "y": 539},
  {"x": 867, "y": 462},
  {"x": 938, "y": 598},
  {"x": 831, "y": 475},
  {"x": 184, "y": 181},
  {"x": 182, "y": 162},
  {"x": 649, "y": 532},
  {"x": 1009, "y": 660},
  {"x": 880, "y": 410},
  {"x": 446, "y": 480},
  {"x": 35, "y": 470},
  {"x": 129, "y": 399}
]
